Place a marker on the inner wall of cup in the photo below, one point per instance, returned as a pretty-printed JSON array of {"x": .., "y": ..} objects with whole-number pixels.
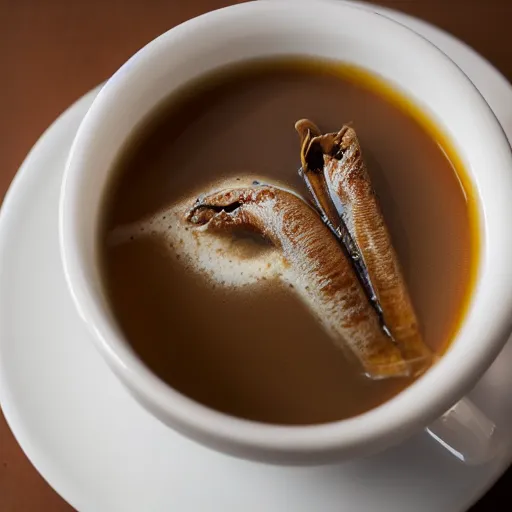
[{"x": 226, "y": 37}]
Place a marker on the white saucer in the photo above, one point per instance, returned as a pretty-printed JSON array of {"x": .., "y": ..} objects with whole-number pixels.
[{"x": 103, "y": 453}]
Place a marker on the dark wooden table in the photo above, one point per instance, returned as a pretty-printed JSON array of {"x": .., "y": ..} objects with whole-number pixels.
[{"x": 53, "y": 51}]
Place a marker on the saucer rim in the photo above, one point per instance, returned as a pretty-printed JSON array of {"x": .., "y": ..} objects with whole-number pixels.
[{"x": 8, "y": 209}]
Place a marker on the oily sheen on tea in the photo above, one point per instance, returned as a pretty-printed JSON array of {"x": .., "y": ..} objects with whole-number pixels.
[{"x": 288, "y": 241}]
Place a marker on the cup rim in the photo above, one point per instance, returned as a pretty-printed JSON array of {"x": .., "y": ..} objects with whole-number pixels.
[{"x": 390, "y": 420}]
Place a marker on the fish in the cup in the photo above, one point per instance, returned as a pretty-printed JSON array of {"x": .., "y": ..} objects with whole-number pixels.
[
  {"x": 325, "y": 277},
  {"x": 335, "y": 173},
  {"x": 339, "y": 249}
]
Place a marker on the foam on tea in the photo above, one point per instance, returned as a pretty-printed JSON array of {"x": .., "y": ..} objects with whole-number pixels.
[
  {"x": 230, "y": 261},
  {"x": 245, "y": 323}
]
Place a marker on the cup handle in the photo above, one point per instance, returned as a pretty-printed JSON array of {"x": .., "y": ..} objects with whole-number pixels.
[{"x": 467, "y": 433}]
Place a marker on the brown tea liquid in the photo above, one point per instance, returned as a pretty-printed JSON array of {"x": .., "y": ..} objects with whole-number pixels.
[{"x": 256, "y": 351}]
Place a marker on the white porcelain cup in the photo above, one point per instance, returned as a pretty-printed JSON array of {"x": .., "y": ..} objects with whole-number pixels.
[{"x": 417, "y": 69}]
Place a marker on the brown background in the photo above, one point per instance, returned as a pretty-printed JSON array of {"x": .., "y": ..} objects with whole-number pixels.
[{"x": 53, "y": 51}]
